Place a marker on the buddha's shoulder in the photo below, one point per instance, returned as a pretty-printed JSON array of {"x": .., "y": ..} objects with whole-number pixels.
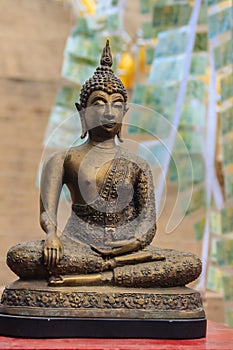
[
  {"x": 77, "y": 151},
  {"x": 70, "y": 153},
  {"x": 54, "y": 158}
]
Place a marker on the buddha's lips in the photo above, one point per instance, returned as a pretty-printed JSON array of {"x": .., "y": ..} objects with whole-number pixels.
[{"x": 109, "y": 125}]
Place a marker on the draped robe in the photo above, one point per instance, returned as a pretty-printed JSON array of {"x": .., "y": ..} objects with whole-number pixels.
[{"x": 124, "y": 209}]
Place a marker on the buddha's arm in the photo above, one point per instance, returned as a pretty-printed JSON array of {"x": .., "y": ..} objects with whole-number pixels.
[{"x": 51, "y": 185}]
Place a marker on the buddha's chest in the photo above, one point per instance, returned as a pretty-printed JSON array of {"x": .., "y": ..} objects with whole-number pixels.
[
  {"x": 104, "y": 176},
  {"x": 92, "y": 177},
  {"x": 89, "y": 176}
]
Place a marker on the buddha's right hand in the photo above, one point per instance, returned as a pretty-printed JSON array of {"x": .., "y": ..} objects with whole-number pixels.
[{"x": 53, "y": 250}]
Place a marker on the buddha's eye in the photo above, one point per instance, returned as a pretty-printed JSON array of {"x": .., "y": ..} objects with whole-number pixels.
[
  {"x": 117, "y": 104},
  {"x": 99, "y": 104}
]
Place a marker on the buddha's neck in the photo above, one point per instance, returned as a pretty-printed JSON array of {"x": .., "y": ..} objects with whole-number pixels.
[{"x": 105, "y": 144}]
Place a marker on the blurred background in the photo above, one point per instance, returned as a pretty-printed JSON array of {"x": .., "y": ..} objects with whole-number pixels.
[{"x": 175, "y": 58}]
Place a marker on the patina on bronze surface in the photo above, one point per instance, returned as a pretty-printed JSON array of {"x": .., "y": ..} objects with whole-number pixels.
[
  {"x": 101, "y": 301},
  {"x": 107, "y": 239}
]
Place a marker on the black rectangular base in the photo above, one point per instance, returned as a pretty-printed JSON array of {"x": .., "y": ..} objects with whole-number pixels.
[{"x": 64, "y": 327}]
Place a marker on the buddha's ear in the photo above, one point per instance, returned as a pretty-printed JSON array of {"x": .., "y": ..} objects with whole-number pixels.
[
  {"x": 126, "y": 108},
  {"x": 119, "y": 136},
  {"x": 78, "y": 107},
  {"x": 82, "y": 119}
]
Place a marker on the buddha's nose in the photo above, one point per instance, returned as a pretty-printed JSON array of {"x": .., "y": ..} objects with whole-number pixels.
[{"x": 108, "y": 112}]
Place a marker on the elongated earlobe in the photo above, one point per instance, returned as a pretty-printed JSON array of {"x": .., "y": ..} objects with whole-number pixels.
[
  {"x": 82, "y": 119},
  {"x": 119, "y": 136},
  {"x": 84, "y": 134},
  {"x": 83, "y": 124}
]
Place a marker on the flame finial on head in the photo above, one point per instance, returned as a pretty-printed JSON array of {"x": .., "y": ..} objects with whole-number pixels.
[{"x": 106, "y": 58}]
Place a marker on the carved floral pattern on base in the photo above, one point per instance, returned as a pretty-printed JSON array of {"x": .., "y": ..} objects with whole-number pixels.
[{"x": 64, "y": 299}]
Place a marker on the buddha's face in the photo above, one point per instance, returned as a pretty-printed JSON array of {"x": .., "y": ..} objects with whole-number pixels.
[{"x": 104, "y": 113}]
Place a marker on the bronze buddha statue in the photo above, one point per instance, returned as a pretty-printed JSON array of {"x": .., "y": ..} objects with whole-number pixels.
[
  {"x": 101, "y": 277},
  {"x": 107, "y": 239}
]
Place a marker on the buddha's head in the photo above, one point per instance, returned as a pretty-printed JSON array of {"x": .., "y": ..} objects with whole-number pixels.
[{"x": 103, "y": 100}]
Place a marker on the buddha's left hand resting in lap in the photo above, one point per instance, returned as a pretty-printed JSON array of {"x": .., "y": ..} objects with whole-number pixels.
[{"x": 113, "y": 222}]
